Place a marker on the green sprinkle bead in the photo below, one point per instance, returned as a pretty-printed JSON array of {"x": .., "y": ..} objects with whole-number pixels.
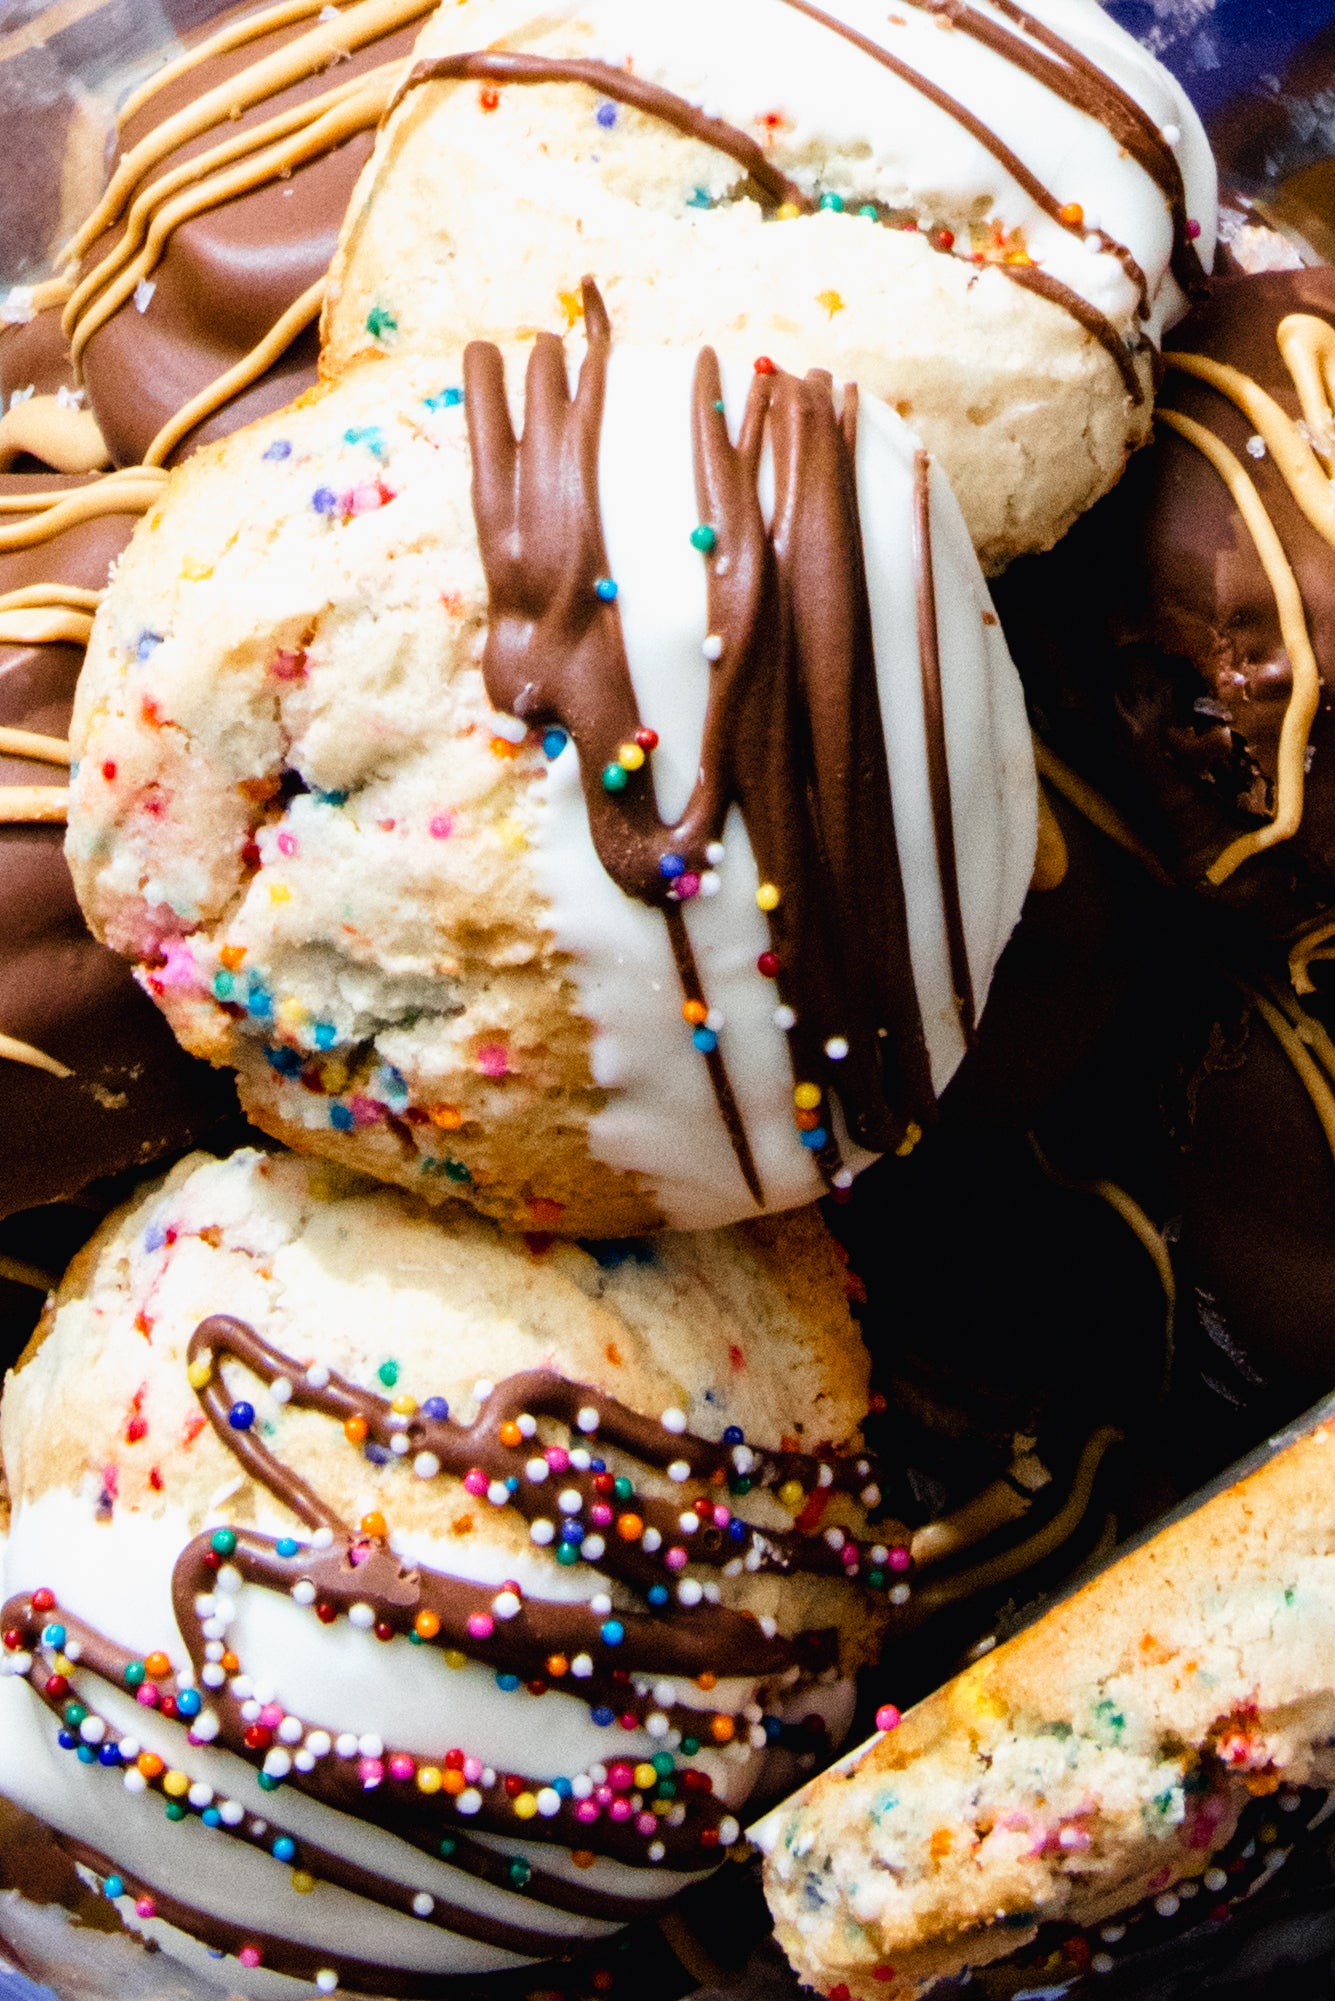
[
  {"x": 135, "y": 1673},
  {"x": 615, "y": 778},
  {"x": 380, "y": 321},
  {"x": 388, "y": 1373},
  {"x": 567, "y": 1554},
  {"x": 869, "y": 212},
  {"x": 267, "y": 1782},
  {"x": 223, "y": 1542},
  {"x": 704, "y": 538},
  {"x": 175, "y": 1810},
  {"x": 690, "y": 1745},
  {"x": 833, "y": 201},
  {"x": 520, "y": 1873},
  {"x": 448, "y": 1846},
  {"x": 622, "y": 1489}
]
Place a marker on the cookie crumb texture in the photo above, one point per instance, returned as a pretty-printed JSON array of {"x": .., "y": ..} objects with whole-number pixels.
[
  {"x": 487, "y": 200},
  {"x": 1101, "y": 1757}
]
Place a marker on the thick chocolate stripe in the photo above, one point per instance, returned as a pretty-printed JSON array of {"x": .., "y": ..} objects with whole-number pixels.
[{"x": 517, "y": 66}]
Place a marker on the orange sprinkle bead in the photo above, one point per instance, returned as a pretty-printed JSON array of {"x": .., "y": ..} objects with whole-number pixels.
[
  {"x": 354, "y": 1429},
  {"x": 707, "y": 1680},
  {"x": 510, "y": 1434},
  {"x": 583, "y": 1858},
  {"x": 1072, "y": 214},
  {"x": 232, "y": 957},
  {"x": 693, "y": 1011},
  {"x": 502, "y": 747},
  {"x": 426, "y": 1625},
  {"x": 630, "y": 1527},
  {"x": 229, "y": 1662},
  {"x": 374, "y": 1524},
  {"x": 454, "y": 1781},
  {"x": 150, "y": 1764},
  {"x": 156, "y": 1665},
  {"x": 557, "y": 1665},
  {"x": 722, "y": 1728},
  {"x": 807, "y": 1121},
  {"x": 448, "y": 1117}
]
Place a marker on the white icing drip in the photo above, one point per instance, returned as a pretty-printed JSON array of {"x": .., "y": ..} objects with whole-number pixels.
[{"x": 662, "y": 1122}]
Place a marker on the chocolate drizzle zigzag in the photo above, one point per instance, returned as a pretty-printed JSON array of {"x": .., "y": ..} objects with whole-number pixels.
[{"x": 793, "y": 732}]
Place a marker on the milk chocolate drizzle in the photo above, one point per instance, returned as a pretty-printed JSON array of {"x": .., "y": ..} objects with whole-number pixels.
[
  {"x": 348, "y": 1568},
  {"x": 793, "y": 731}
]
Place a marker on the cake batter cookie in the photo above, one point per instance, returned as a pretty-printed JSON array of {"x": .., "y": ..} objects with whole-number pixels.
[
  {"x": 606, "y": 851},
  {"x": 986, "y": 215}
]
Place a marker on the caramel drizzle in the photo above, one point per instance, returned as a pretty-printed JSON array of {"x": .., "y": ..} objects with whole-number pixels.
[
  {"x": 1079, "y": 82},
  {"x": 1028, "y": 275},
  {"x": 1099, "y": 812},
  {"x": 261, "y": 358},
  {"x": 794, "y": 683},
  {"x": 1304, "y": 700},
  {"x": 938, "y": 768},
  {"x": 1306, "y": 1044},
  {"x": 235, "y": 36}
]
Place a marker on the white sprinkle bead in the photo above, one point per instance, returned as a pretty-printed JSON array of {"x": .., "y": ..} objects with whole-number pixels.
[
  {"x": 586, "y": 1419},
  {"x": 714, "y": 853},
  {"x": 728, "y": 1831},
  {"x": 756, "y": 1737},
  {"x": 319, "y": 1743},
  {"x": 743, "y": 1458},
  {"x": 250, "y": 1711},
  {"x": 92, "y": 1729},
  {"x": 280, "y": 1389},
  {"x": 134, "y": 1781},
  {"x": 592, "y": 1548},
  {"x": 304, "y": 1591},
  {"x": 130, "y": 1748},
  {"x": 200, "y": 1795},
  {"x": 824, "y": 1476},
  {"x": 213, "y": 1629},
  {"x": 601, "y": 1604},
  {"x": 1111, "y": 1934},
  {"x": 656, "y": 1851},
  {"x": 581, "y": 1785},
  {"x": 371, "y": 1745},
  {"x": 656, "y": 1723},
  {"x": 716, "y": 1020},
  {"x": 581, "y": 1667},
  {"x": 323, "y": 1539},
  {"x": 679, "y": 1471},
  {"x": 899, "y": 1594},
  {"x": 214, "y": 1650},
  {"x": 277, "y": 1763},
  {"x": 1256, "y": 447},
  {"x": 327, "y": 1980},
  {"x": 870, "y": 1495},
  {"x": 542, "y": 1531},
  {"x": 651, "y": 1540},
  {"x": 302, "y": 1761},
  {"x": 837, "y": 1048},
  {"x": 318, "y": 1376},
  {"x": 345, "y": 1744},
  {"x": 230, "y": 1580},
  {"x": 361, "y": 1615},
  {"x": 713, "y": 647},
  {"x": 580, "y": 1459},
  {"x": 548, "y": 1802},
  {"x": 212, "y": 1675},
  {"x": 689, "y": 1522},
  {"x": 423, "y": 1905},
  {"x": 1102, "y": 1962},
  {"x": 843, "y": 1177},
  {"x": 673, "y": 1420},
  {"x": 689, "y": 1592},
  {"x": 537, "y": 1470},
  {"x": 469, "y": 1800},
  {"x": 498, "y": 1494},
  {"x": 570, "y": 1500},
  {"x": 784, "y": 1017},
  {"x": 483, "y": 1388},
  {"x": 204, "y": 1605},
  {"x": 1167, "y": 1905},
  {"x": 711, "y": 882},
  {"x": 426, "y": 1466},
  {"x": 205, "y": 1726},
  {"x": 505, "y": 1604},
  {"x": 528, "y": 1424},
  {"x": 1213, "y": 1879},
  {"x": 1171, "y": 134},
  {"x": 400, "y": 1444},
  {"x": 231, "y": 1813},
  {"x": 768, "y": 1626},
  {"x": 290, "y": 1730}
]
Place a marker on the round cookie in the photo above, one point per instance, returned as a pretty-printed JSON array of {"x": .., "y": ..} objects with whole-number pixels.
[
  {"x": 986, "y": 215},
  {"x": 252, "y": 1437},
  {"x": 1180, "y": 652},
  {"x": 707, "y": 956}
]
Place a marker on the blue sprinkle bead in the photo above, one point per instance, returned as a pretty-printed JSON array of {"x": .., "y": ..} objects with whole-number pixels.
[
  {"x": 279, "y": 450},
  {"x": 146, "y": 644},
  {"x": 108, "y": 1754},
  {"x": 324, "y": 500},
  {"x": 53, "y": 1636},
  {"x": 444, "y": 399},
  {"x": 671, "y": 866},
  {"x": 606, "y": 589},
  {"x": 113, "y": 1887},
  {"x": 508, "y": 1682},
  {"x": 324, "y": 1035},
  {"x": 287, "y": 1545},
  {"x": 597, "y": 1465},
  {"x": 259, "y": 1000},
  {"x": 772, "y": 1727},
  {"x": 564, "y": 1788},
  {"x": 341, "y": 1119},
  {"x": 613, "y": 1632},
  {"x": 329, "y": 798},
  {"x": 66, "y": 1741},
  {"x": 736, "y": 1530},
  {"x": 657, "y": 1594},
  {"x": 734, "y": 1435},
  {"x": 436, "y": 1407},
  {"x": 379, "y": 1455},
  {"x": 602, "y": 1716},
  {"x": 211, "y": 1817},
  {"x": 369, "y": 435},
  {"x": 606, "y": 114},
  {"x": 188, "y": 1702},
  {"x": 87, "y": 1754},
  {"x": 241, "y": 1416},
  {"x": 815, "y": 1139},
  {"x": 699, "y": 198},
  {"x": 706, "y": 1042},
  {"x": 284, "y": 1848},
  {"x": 553, "y": 743},
  {"x": 287, "y": 1062}
]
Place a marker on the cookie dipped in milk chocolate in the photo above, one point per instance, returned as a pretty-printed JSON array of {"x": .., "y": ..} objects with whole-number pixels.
[{"x": 1178, "y": 649}]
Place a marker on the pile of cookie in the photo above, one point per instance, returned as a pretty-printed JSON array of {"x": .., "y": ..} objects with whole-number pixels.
[{"x": 497, "y": 511}]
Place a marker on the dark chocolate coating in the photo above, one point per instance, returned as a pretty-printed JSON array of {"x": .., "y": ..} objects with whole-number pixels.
[
  {"x": 1149, "y": 640},
  {"x": 134, "y": 1094}
]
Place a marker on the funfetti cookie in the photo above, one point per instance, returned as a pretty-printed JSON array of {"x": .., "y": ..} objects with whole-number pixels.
[
  {"x": 986, "y": 214},
  {"x": 613, "y": 829}
]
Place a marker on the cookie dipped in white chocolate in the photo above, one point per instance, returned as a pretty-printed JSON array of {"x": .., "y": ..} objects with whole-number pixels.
[
  {"x": 987, "y": 214},
  {"x": 487, "y": 1695},
  {"x": 617, "y": 828}
]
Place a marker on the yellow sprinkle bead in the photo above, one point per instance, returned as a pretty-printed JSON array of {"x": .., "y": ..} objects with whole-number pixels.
[
  {"x": 302, "y": 1882},
  {"x": 832, "y": 302},
  {"x": 199, "y": 1372},
  {"x": 572, "y": 305},
  {"x": 630, "y": 757},
  {"x": 769, "y": 896},
  {"x": 526, "y": 1805},
  {"x": 912, "y": 1134},
  {"x": 453, "y": 1658},
  {"x": 429, "y": 1778},
  {"x": 806, "y": 1097},
  {"x": 645, "y": 1776},
  {"x": 196, "y": 571},
  {"x": 174, "y": 1784},
  {"x": 404, "y": 1405},
  {"x": 279, "y": 893},
  {"x": 291, "y": 1013},
  {"x": 793, "y": 1495},
  {"x": 787, "y": 211},
  {"x": 61, "y": 1664}
]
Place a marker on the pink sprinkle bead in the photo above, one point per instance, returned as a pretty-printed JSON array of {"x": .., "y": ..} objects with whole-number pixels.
[
  {"x": 472, "y": 1770},
  {"x": 401, "y": 1766},
  {"x": 366, "y": 1111},
  {"x": 475, "y": 1482},
  {"x": 899, "y": 1558},
  {"x": 620, "y": 1810},
  {"x": 587, "y": 1811},
  {"x": 145, "y": 1907},
  {"x": 372, "y": 1771},
  {"x": 557, "y": 1458},
  {"x": 493, "y": 1060},
  {"x": 271, "y": 1715},
  {"x": 441, "y": 826},
  {"x": 687, "y": 885},
  {"x": 249, "y": 1955},
  {"x": 147, "y": 1694},
  {"x": 675, "y": 1559},
  {"x": 600, "y": 1514},
  {"x": 722, "y": 1516},
  {"x": 645, "y": 1823},
  {"x": 604, "y": 1795},
  {"x": 621, "y": 1776},
  {"x": 481, "y": 1625},
  {"x": 287, "y": 843},
  {"x": 887, "y": 1717}
]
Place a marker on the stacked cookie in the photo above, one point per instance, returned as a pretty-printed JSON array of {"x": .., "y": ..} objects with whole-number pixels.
[{"x": 566, "y": 765}]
